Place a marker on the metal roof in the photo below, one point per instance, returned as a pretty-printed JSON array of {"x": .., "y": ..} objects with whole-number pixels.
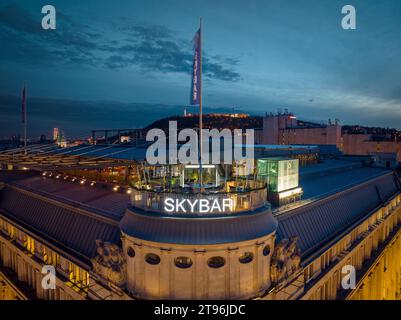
[
  {"x": 71, "y": 230},
  {"x": 198, "y": 231},
  {"x": 105, "y": 151},
  {"x": 102, "y": 201},
  {"x": 51, "y": 157},
  {"x": 319, "y": 221},
  {"x": 324, "y": 183},
  {"x": 328, "y": 167}
]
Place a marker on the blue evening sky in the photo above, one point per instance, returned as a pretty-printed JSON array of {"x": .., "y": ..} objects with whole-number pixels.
[{"x": 260, "y": 55}]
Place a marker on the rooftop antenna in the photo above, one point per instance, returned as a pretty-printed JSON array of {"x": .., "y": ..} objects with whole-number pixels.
[
  {"x": 196, "y": 91},
  {"x": 200, "y": 108}
]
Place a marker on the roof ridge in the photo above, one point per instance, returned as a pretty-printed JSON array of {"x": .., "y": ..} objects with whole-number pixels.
[{"x": 83, "y": 209}]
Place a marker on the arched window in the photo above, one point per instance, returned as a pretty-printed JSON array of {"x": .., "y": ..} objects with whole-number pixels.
[
  {"x": 152, "y": 258},
  {"x": 183, "y": 262},
  {"x": 246, "y": 257},
  {"x": 130, "y": 252},
  {"x": 216, "y": 262}
]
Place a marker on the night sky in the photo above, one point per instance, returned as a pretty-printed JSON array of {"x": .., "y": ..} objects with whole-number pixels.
[{"x": 259, "y": 55}]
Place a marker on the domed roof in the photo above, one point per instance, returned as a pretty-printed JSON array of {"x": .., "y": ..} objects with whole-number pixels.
[{"x": 198, "y": 230}]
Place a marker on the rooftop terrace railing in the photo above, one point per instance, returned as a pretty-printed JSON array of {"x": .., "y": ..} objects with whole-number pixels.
[{"x": 185, "y": 204}]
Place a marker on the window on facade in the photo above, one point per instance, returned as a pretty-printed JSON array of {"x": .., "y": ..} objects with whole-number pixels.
[
  {"x": 85, "y": 279},
  {"x": 330, "y": 256},
  {"x": 78, "y": 276},
  {"x": 11, "y": 231},
  {"x": 73, "y": 273},
  {"x": 131, "y": 252},
  {"x": 152, "y": 258},
  {"x": 306, "y": 275},
  {"x": 216, "y": 262},
  {"x": 29, "y": 244},
  {"x": 325, "y": 260},
  {"x": 246, "y": 257},
  {"x": 183, "y": 262},
  {"x": 51, "y": 257},
  {"x": 266, "y": 250}
]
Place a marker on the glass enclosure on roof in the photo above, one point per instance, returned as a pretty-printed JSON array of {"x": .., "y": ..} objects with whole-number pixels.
[{"x": 280, "y": 173}]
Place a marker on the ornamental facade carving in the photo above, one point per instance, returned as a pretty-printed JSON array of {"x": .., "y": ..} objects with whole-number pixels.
[
  {"x": 286, "y": 260},
  {"x": 110, "y": 263}
]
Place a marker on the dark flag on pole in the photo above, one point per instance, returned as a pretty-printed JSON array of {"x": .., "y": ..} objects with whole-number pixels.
[
  {"x": 23, "y": 114},
  {"x": 196, "y": 71}
]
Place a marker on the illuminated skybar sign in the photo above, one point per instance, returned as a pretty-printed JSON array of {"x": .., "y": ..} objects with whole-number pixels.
[{"x": 198, "y": 205}]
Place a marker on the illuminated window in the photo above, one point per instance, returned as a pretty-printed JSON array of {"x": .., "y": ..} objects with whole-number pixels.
[
  {"x": 71, "y": 270},
  {"x": 11, "y": 231},
  {"x": 51, "y": 257},
  {"x": 29, "y": 244},
  {"x": 78, "y": 276},
  {"x": 85, "y": 279},
  {"x": 280, "y": 173},
  {"x": 45, "y": 255},
  {"x": 216, "y": 262},
  {"x": 183, "y": 262}
]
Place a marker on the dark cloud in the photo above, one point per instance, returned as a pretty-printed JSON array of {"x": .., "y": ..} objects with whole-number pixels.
[
  {"x": 26, "y": 42},
  {"x": 17, "y": 19},
  {"x": 152, "y": 48},
  {"x": 150, "y": 32},
  {"x": 227, "y": 60},
  {"x": 156, "y": 48}
]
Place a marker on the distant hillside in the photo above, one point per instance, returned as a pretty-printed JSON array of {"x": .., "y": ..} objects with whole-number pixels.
[
  {"x": 210, "y": 121},
  {"x": 77, "y": 118}
]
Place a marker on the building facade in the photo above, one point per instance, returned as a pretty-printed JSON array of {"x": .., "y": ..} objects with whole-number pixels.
[
  {"x": 284, "y": 129},
  {"x": 107, "y": 244}
]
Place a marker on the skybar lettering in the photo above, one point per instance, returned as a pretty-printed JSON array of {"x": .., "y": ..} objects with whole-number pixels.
[{"x": 198, "y": 205}]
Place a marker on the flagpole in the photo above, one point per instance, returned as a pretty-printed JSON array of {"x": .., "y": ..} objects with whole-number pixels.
[
  {"x": 25, "y": 123},
  {"x": 24, "y": 114},
  {"x": 200, "y": 110}
]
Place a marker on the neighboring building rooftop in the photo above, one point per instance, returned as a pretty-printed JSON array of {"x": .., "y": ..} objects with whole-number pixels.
[
  {"x": 334, "y": 203},
  {"x": 60, "y": 224},
  {"x": 99, "y": 200},
  {"x": 113, "y": 151},
  {"x": 322, "y": 184}
]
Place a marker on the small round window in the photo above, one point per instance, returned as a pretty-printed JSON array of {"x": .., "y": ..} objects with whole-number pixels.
[
  {"x": 266, "y": 251},
  {"x": 216, "y": 262},
  {"x": 183, "y": 262},
  {"x": 152, "y": 258},
  {"x": 246, "y": 257},
  {"x": 131, "y": 252}
]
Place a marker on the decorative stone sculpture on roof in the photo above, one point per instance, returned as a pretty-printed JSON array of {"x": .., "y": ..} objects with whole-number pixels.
[
  {"x": 286, "y": 260},
  {"x": 110, "y": 263}
]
